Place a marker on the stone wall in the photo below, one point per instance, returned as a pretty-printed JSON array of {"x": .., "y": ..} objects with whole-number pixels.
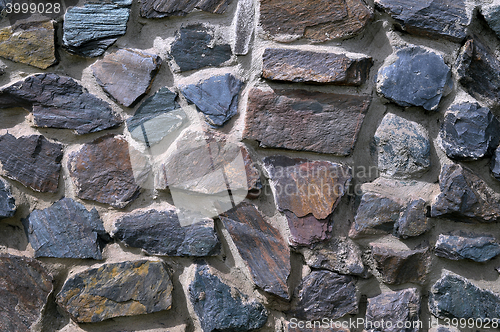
[{"x": 221, "y": 165}]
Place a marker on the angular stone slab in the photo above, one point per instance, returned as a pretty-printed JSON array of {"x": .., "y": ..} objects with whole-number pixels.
[
  {"x": 102, "y": 171},
  {"x": 318, "y": 21},
  {"x": 30, "y": 43},
  {"x": 66, "y": 230},
  {"x": 24, "y": 292},
  {"x": 469, "y": 132},
  {"x": 216, "y": 98},
  {"x": 167, "y": 8},
  {"x": 413, "y": 221},
  {"x": 127, "y": 74},
  {"x": 117, "y": 290},
  {"x": 314, "y": 67},
  {"x": 305, "y": 121},
  {"x": 59, "y": 102},
  {"x": 7, "y": 202},
  {"x": 160, "y": 233},
  {"x": 436, "y": 18},
  {"x": 222, "y": 308},
  {"x": 490, "y": 14},
  {"x": 467, "y": 246},
  {"x": 243, "y": 24},
  {"x": 261, "y": 246},
  {"x": 31, "y": 160},
  {"x": 417, "y": 78},
  {"x": 325, "y": 294}
]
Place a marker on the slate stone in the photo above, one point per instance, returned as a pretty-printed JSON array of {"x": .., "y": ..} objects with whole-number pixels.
[
  {"x": 222, "y": 308},
  {"x": 436, "y": 18},
  {"x": 102, "y": 171},
  {"x": 24, "y": 292},
  {"x": 31, "y": 43},
  {"x": 413, "y": 221},
  {"x": 160, "y": 233},
  {"x": 216, "y": 98},
  {"x": 59, "y": 102},
  {"x": 325, "y": 294},
  {"x": 127, "y": 74},
  {"x": 394, "y": 307},
  {"x": 167, "y": 8},
  {"x": 66, "y": 230},
  {"x": 93, "y": 48},
  {"x": 31, "y": 160},
  {"x": 262, "y": 248},
  {"x": 318, "y": 21},
  {"x": 117, "y": 290},
  {"x": 495, "y": 164},
  {"x": 490, "y": 14},
  {"x": 314, "y": 67},
  {"x": 401, "y": 266},
  {"x": 193, "y": 48},
  {"x": 464, "y": 197},
  {"x": 403, "y": 146},
  {"x": 467, "y": 246},
  {"x": 7, "y": 201},
  {"x": 243, "y": 23},
  {"x": 417, "y": 78},
  {"x": 304, "y": 120},
  {"x": 469, "y": 132},
  {"x": 454, "y": 296}
]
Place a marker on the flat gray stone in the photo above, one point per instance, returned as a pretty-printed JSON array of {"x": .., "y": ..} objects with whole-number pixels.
[
  {"x": 167, "y": 8},
  {"x": 467, "y": 246},
  {"x": 7, "y": 201}
]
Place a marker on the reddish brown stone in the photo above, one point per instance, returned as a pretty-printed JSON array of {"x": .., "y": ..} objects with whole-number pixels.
[{"x": 305, "y": 121}]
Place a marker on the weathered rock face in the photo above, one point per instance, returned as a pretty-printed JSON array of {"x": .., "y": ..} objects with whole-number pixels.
[
  {"x": 313, "y": 67},
  {"x": 394, "y": 307},
  {"x": 216, "y": 98},
  {"x": 66, "y": 230},
  {"x": 314, "y": 121},
  {"x": 192, "y": 49},
  {"x": 116, "y": 290},
  {"x": 102, "y": 172},
  {"x": 413, "y": 221},
  {"x": 453, "y": 296},
  {"x": 495, "y": 164},
  {"x": 7, "y": 201},
  {"x": 30, "y": 43},
  {"x": 417, "y": 78},
  {"x": 464, "y": 197},
  {"x": 31, "y": 160},
  {"x": 435, "y": 18},
  {"x": 403, "y": 147},
  {"x": 469, "y": 132},
  {"x": 325, "y": 294},
  {"x": 262, "y": 247},
  {"x": 24, "y": 291},
  {"x": 243, "y": 24},
  {"x": 160, "y": 233},
  {"x": 218, "y": 309},
  {"x": 59, "y": 102},
  {"x": 166, "y": 8},
  {"x": 490, "y": 14},
  {"x": 127, "y": 74},
  {"x": 467, "y": 246},
  {"x": 317, "y": 20}
]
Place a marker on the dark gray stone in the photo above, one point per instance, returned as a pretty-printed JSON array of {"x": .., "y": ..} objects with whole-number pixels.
[
  {"x": 469, "y": 132},
  {"x": 417, "y": 78},
  {"x": 167, "y": 8},
  {"x": 7, "y": 201},
  {"x": 491, "y": 14},
  {"x": 93, "y": 48},
  {"x": 467, "y": 246},
  {"x": 221, "y": 308},
  {"x": 495, "y": 164},
  {"x": 216, "y": 98},
  {"x": 413, "y": 221}
]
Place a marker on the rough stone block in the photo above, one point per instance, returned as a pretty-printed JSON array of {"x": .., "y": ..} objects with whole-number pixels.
[
  {"x": 7, "y": 201},
  {"x": 243, "y": 24},
  {"x": 413, "y": 221},
  {"x": 467, "y": 246}
]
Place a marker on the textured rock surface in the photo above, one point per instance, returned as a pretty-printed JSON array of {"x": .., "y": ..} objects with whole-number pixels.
[
  {"x": 313, "y": 67},
  {"x": 495, "y": 164},
  {"x": 24, "y": 292},
  {"x": 294, "y": 327},
  {"x": 127, "y": 74},
  {"x": 261, "y": 246},
  {"x": 435, "y": 18},
  {"x": 221, "y": 308},
  {"x": 59, "y": 102},
  {"x": 467, "y": 246},
  {"x": 160, "y": 233},
  {"x": 30, "y": 43},
  {"x": 413, "y": 221},
  {"x": 315, "y": 20},
  {"x": 66, "y": 230},
  {"x": 417, "y": 78},
  {"x": 325, "y": 294},
  {"x": 243, "y": 24},
  {"x": 101, "y": 171},
  {"x": 116, "y": 290},
  {"x": 403, "y": 147},
  {"x": 216, "y": 98},
  {"x": 166, "y": 8},
  {"x": 491, "y": 14},
  {"x": 7, "y": 201},
  {"x": 314, "y": 121},
  {"x": 31, "y": 160},
  {"x": 469, "y": 132}
]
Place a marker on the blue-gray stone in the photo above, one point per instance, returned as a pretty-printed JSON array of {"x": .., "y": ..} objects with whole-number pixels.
[
  {"x": 66, "y": 230},
  {"x": 93, "y": 48},
  {"x": 7, "y": 202},
  {"x": 469, "y": 132},
  {"x": 221, "y": 308},
  {"x": 463, "y": 246},
  {"x": 417, "y": 78},
  {"x": 216, "y": 97},
  {"x": 167, "y": 8},
  {"x": 413, "y": 221},
  {"x": 491, "y": 14}
]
